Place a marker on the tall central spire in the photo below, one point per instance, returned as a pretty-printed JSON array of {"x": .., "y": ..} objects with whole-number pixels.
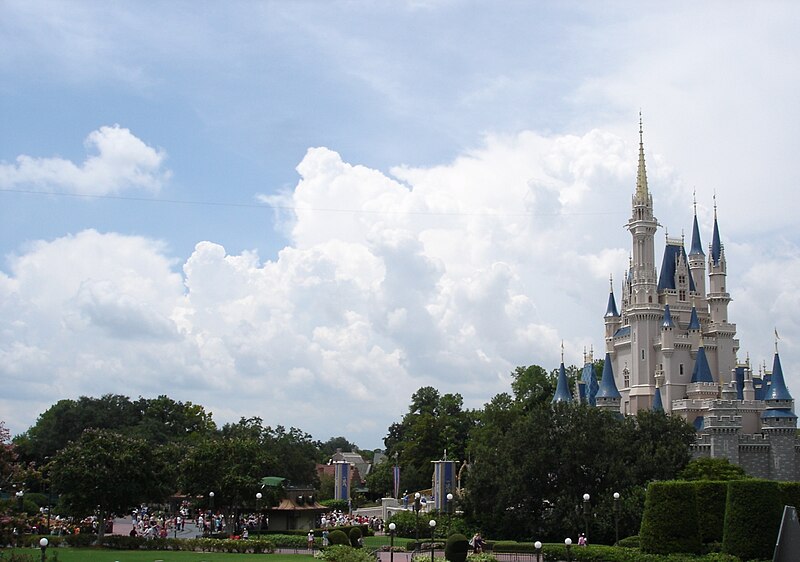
[{"x": 641, "y": 174}]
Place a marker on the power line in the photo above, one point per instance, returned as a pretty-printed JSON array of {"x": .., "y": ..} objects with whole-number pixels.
[{"x": 299, "y": 209}]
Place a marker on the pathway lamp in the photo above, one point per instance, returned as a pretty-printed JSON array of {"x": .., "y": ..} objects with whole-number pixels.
[
  {"x": 449, "y": 511},
  {"x": 416, "y": 523},
  {"x": 258, "y": 509},
  {"x": 587, "y": 511},
  {"x": 567, "y": 544},
  {"x": 43, "y": 542},
  {"x": 211, "y": 512},
  {"x": 392, "y": 528},
  {"x": 616, "y": 517},
  {"x": 432, "y": 523},
  {"x": 19, "y": 496},
  {"x": 538, "y": 546}
]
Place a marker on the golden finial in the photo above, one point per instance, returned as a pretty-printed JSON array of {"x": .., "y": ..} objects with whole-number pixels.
[{"x": 562, "y": 351}]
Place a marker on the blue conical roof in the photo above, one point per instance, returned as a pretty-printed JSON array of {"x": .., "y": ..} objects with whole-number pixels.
[
  {"x": 611, "y": 309},
  {"x": 667, "y": 322},
  {"x": 697, "y": 246},
  {"x": 608, "y": 386},
  {"x": 701, "y": 372},
  {"x": 716, "y": 245},
  {"x": 562, "y": 387},
  {"x": 777, "y": 388},
  {"x": 658, "y": 405},
  {"x": 694, "y": 321},
  {"x": 590, "y": 382}
]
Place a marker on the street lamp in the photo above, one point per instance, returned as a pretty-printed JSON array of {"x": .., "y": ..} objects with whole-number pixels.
[
  {"x": 43, "y": 542},
  {"x": 616, "y": 517},
  {"x": 392, "y": 527},
  {"x": 416, "y": 524},
  {"x": 210, "y": 512},
  {"x": 538, "y": 546},
  {"x": 449, "y": 511},
  {"x": 567, "y": 544},
  {"x": 19, "y": 495},
  {"x": 258, "y": 509},
  {"x": 587, "y": 509},
  {"x": 432, "y": 523}
]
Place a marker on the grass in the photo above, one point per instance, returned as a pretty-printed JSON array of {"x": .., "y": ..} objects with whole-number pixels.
[{"x": 104, "y": 555}]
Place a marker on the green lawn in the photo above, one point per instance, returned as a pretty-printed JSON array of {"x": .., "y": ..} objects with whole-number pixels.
[{"x": 103, "y": 555}]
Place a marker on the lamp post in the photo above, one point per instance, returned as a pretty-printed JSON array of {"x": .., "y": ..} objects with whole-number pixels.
[
  {"x": 19, "y": 496},
  {"x": 210, "y": 512},
  {"x": 43, "y": 542},
  {"x": 258, "y": 509},
  {"x": 587, "y": 511},
  {"x": 432, "y": 523},
  {"x": 538, "y": 546},
  {"x": 392, "y": 528},
  {"x": 567, "y": 544},
  {"x": 616, "y": 517},
  {"x": 449, "y": 511},
  {"x": 416, "y": 523}
]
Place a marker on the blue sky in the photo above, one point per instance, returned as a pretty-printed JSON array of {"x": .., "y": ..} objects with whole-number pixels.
[{"x": 254, "y": 204}]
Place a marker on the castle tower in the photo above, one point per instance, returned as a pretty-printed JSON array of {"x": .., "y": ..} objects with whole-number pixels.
[
  {"x": 666, "y": 389},
  {"x": 562, "y": 393},
  {"x": 612, "y": 318},
  {"x": 697, "y": 262},
  {"x": 643, "y": 312},
  {"x": 608, "y": 397},
  {"x": 779, "y": 423},
  {"x": 718, "y": 299}
]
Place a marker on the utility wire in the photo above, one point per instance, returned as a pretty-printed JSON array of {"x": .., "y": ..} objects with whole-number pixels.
[{"x": 298, "y": 209}]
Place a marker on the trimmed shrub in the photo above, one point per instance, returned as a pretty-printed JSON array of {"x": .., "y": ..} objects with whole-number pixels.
[
  {"x": 630, "y": 542},
  {"x": 355, "y": 537},
  {"x": 711, "y": 498},
  {"x": 456, "y": 548},
  {"x": 669, "y": 523},
  {"x": 338, "y": 537},
  {"x": 341, "y": 553},
  {"x": 752, "y": 518},
  {"x": 790, "y": 493}
]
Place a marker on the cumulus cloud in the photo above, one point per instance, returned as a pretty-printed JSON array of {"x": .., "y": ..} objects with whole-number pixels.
[
  {"x": 123, "y": 162},
  {"x": 449, "y": 276}
]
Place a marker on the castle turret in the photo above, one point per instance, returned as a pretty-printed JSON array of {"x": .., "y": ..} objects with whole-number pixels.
[
  {"x": 562, "y": 393},
  {"x": 613, "y": 320},
  {"x": 697, "y": 261},
  {"x": 718, "y": 297},
  {"x": 643, "y": 312},
  {"x": 779, "y": 423},
  {"x": 608, "y": 397}
]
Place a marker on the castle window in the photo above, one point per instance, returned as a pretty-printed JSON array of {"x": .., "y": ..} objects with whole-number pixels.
[
  {"x": 680, "y": 369},
  {"x": 682, "y": 295},
  {"x": 650, "y": 298},
  {"x": 681, "y": 280},
  {"x": 626, "y": 378},
  {"x": 643, "y": 355}
]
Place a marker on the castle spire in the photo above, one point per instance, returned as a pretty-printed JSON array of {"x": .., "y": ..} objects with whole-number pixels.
[
  {"x": 641, "y": 174},
  {"x": 562, "y": 393},
  {"x": 716, "y": 244},
  {"x": 697, "y": 245},
  {"x": 611, "y": 309}
]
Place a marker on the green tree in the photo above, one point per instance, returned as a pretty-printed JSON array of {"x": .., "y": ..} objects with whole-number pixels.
[
  {"x": 380, "y": 480},
  {"x": 433, "y": 424},
  {"x": 707, "y": 468},
  {"x": 106, "y": 471}
]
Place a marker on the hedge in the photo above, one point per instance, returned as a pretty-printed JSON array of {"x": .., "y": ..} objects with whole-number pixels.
[
  {"x": 711, "y": 498},
  {"x": 669, "y": 522},
  {"x": 456, "y": 548},
  {"x": 752, "y": 518},
  {"x": 790, "y": 493},
  {"x": 122, "y": 542}
]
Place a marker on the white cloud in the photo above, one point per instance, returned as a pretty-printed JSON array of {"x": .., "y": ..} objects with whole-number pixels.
[
  {"x": 122, "y": 162},
  {"x": 448, "y": 276}
]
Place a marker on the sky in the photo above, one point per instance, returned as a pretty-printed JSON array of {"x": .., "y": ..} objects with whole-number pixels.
[{"x": 305, "y": 211}]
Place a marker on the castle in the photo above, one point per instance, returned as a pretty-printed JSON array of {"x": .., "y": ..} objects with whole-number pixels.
[{"x": 672, "y": 347}]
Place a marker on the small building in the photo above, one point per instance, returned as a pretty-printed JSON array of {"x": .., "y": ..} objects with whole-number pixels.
[{"x": 298, "y": 510}]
